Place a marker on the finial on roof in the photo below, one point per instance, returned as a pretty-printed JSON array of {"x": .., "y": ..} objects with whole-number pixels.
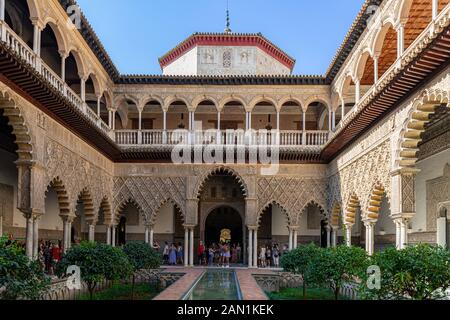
[{"x": 227, "y": 29}]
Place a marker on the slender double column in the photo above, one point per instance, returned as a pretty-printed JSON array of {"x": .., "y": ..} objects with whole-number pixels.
[
  {"x": 189, "y": 245},
  {"x": 67, "y": 232},
  {"x": 328, "y": 228},
  {"x": 401, "y": 231},
  {"x": 348, "y": 234},
  {"x": 92, "y": 232},
  {"x": 293, "y": 238},
  {"x": 370, "y": 237},
  {"x": 252, "y": 247},
  {"x": 334, "y": 235}
]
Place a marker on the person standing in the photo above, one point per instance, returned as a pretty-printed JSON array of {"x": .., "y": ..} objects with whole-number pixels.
[
  {"x": 226, "y": 256},
  {"x": 200, "y": 252},
  {"x": 173, "y": 255},
  {"x": 180, "y": 254},
  {"x": 276, "y": 256},
  {"x": 262, "y": 257},
  {"x": 166, "y": 253},
  {"x": 239, "y": 253}
]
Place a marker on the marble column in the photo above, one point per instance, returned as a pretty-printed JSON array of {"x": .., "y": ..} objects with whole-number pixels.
[
  {"x": 291, "y": 242},
  {"x": 255, "y": 248},
  {"x": 328, "y": 236},
  {"x": 36, "y": 237},
  {"x": 435, "y": 9},
  {"x": 295, "y": 239},
  {"x": 348, "y": 235},
  {"x": 334, "y": 235},
  {"x": 375, "y": 69},
  {"x": 37, "y": 39},
  {"x": 250, "y": 247},
  {"x": 370, "y": 241},
  {"x": 113, "y": 236},
  {"x": 400, "y": 39},
  {"x": 191, "y": 247},
  {"x": 186, "y": 246},
  {"x": 92, "y": 232},
  {"x": 108, "y": 235},
  {"x": 63, "y": 67},
  {"x": 152, "y": 233},
  {"x": 29, "y": 237},
  {"x": 146, "y": 235}
]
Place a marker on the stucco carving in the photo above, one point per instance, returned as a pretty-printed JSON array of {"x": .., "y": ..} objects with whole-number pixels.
[
  {"x": 438, "y": 191},
  {"x": 291, "y": 193},
  {"x": 150, "y": 193},
  {"x": 361, "y": 176}
]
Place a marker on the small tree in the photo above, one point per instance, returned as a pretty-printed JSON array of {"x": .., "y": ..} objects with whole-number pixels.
[
  {"x": 419, "y": 272},
  {"x": 20, "y": 278},
  {"x": 299, "y": 261},
  {"x": 336, "y": 266},
  {"x": 97, "y": 262},
  {"x": 141, "y": 256}
]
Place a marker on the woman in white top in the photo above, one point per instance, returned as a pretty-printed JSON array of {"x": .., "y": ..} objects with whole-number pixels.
[{"x": 262, "y": 257}]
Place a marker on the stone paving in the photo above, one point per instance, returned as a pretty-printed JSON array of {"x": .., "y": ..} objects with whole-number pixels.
[
  {"x": 177, "y": 290},
  {"x": 248, "y": 285}
]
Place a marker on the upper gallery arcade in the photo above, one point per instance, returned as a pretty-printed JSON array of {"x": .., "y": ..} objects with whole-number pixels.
[{"x": 85, "y": 150}]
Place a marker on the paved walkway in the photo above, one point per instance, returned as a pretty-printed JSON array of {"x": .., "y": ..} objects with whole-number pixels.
[
  {"x": 249, "y": 287},
  {"x": 177, "y": 290}
]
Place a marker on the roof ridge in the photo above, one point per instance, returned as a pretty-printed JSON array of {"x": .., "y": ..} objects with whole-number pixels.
[{"x": 227, "y": 35}]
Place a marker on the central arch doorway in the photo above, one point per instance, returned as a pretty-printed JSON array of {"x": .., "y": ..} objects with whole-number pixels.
[{"x": 219, "y": 222}]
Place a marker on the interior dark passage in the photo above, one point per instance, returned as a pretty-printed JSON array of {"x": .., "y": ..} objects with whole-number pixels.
[{"x": 219, "y": 221}]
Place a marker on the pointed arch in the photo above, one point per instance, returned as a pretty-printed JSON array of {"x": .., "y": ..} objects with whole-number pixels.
[
  {"x": 63, "y": 198},
  {"x": 90, "y": 213},
  {"x": 375, "y": 201},
  {"x": 17, "y": 121},
  {"x": 351, "y": 210},
  {"x": 274, "y": 203},
  {"x": 336, "y": 213},
  {"x": 121, "y": 207},
  {"x": 105, "y": 206},
  {"x": 218, "y": 171},
  {"x": 155, "y": 213},
  {"x": 415, "y": 125}
]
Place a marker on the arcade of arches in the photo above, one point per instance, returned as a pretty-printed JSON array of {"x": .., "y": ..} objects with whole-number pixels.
[{"x": 65, "y": 177}]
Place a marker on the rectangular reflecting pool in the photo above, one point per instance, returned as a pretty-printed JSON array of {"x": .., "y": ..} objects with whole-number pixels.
[{"x": 216, "y": 284}]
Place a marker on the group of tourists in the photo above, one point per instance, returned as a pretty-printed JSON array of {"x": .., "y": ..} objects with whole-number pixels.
[
  {"x": 173, "y": 254},
  {"x": 50, "y": 254},
  {"x": 269, "y": 255},
  {"x": 220, "y": 255}
]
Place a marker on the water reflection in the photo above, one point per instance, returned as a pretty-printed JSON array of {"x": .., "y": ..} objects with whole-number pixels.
[{"x": 216, "y": 285}]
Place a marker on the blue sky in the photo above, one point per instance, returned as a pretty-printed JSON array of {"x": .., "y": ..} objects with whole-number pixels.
[{"x": 137, "y": 32}]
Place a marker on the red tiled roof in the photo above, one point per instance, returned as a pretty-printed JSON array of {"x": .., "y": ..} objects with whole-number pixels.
[{"x": 224, "y": 39}]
